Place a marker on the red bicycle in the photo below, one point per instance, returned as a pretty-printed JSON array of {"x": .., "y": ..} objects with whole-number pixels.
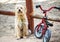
[{"x": 41, "y": 30}]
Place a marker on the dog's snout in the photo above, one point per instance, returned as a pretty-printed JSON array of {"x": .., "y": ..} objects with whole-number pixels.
[{"x": 19, "y": 10}]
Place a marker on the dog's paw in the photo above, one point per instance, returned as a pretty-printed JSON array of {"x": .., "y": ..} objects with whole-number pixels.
[
  {"x": 18, "y": 38},
  {"x": 24, "y": 37}
]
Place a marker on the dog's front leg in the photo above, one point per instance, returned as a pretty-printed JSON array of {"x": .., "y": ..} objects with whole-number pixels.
[
  {"x": 18, "y": 32},
  {"x": 25, "y": 30}
]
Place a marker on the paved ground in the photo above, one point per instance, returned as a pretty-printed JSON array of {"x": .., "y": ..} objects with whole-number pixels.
[
  {"x": 7, "y": 36},
  {"x": 13, "y": 39}
]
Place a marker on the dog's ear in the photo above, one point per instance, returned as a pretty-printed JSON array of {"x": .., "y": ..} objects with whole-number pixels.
[{"x": 25, "y": 9}]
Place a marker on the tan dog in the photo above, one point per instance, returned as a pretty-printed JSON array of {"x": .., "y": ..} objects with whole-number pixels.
[{"x": 21, "y": 23}]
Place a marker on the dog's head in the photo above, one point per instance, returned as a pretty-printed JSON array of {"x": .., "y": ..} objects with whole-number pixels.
[{"x": 20, "y": 9}]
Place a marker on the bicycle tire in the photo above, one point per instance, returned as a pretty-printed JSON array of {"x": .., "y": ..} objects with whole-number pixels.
[{"x": 38, "y": 34}]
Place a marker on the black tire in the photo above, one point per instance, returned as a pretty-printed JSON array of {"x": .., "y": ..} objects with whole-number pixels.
[{"x": 38, "y": 34}]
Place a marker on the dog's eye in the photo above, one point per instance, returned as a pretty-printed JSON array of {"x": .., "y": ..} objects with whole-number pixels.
[{"x": 21, "y": 7}]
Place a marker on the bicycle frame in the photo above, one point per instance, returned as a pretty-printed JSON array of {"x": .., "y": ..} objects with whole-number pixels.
[{"x": 41, "y": 30}]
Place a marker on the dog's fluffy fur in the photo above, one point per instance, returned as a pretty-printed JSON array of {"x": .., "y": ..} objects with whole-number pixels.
[{"x": 21, "y": 22}]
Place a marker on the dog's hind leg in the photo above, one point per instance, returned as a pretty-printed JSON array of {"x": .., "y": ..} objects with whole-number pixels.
[{"x": 27, "y": 33}]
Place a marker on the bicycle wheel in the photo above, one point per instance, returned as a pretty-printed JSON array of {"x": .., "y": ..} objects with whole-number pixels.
[{"x": 38, "y": 33}]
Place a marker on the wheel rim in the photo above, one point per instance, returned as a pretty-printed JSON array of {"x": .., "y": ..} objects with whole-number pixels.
[{"x": 38, "y": 33}]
